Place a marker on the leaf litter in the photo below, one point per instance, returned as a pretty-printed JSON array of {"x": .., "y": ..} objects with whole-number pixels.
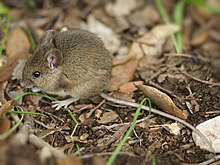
[{"x": 138, "y": 49}]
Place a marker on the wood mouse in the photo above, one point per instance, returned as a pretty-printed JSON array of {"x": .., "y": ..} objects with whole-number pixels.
[{"x": 71, "y": 63}]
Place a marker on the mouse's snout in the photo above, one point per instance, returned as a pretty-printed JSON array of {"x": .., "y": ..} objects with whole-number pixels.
[{"x": 27, "y": 84}]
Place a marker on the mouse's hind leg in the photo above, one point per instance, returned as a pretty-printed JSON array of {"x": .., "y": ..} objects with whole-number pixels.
[{"x": 64, "y": 103}]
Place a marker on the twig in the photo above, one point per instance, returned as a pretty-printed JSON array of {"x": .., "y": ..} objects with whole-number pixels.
[
  {"x": 210, "y": 160},
  {"x": 199, "y": 80},
  {"x": 92, "y": 110}
]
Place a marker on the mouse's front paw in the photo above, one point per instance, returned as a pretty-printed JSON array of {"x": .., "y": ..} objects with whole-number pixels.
[{"x": 64, "y": 103}]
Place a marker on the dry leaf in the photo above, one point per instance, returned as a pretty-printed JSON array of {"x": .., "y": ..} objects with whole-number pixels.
[
  {"x": 123, "y": 96},
  {"x": 5, "y": 124},
  {"x": 5, "y": 107},
  {"x": 107, "y": 117},
  {"x": 147, "y": 16},
  {"x": 173, "y": 128},
  {"x": 200, "y": 38},
  {"x": 17, "y": 43},
  {"x": 17, "y": 46},
  {"x": 130, "y": 87},
  {"x": 122, "y": 74},
  {"x": 121, "y": 7},
  {"x": 109, "y": 38},
  {"x": 154, "y": 40},
  {"x": 6, "y": 71},
  {"x": 18, "y": 70},
  {"x": 162, "y": 100}
]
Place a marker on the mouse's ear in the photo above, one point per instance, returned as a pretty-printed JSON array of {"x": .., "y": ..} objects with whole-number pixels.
[
  {"x": 47, "y": 37},
  {"x": 54, "y": 58}
]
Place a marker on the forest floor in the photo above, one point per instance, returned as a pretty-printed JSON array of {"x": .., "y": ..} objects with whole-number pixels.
[{"x": 143, "y": 53}]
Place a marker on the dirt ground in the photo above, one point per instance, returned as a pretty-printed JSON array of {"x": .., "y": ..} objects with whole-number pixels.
[{"x": 143, "y": 53}]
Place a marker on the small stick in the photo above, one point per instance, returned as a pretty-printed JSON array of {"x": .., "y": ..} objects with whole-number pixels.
[{"x": 199, "y": 80}]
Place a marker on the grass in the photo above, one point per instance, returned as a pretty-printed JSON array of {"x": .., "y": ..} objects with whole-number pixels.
[
  {"x": 78, "y": 150},
  {"x": 30, "y": 3},
  {"x": 4, "y": 10},
  {"x": 205, "y": 5},
  {"x": 120, "y": 145},
  {"x": 25, "y": 112},
  {"x": 18, "y": 97},
  {"x": 166, "y": 20},
  {"x": 178, "y": 17},
  {"x": 75, "y": 121}
]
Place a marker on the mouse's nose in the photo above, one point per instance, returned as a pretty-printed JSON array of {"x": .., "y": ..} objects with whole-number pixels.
[{"x": 27, "y": 84}]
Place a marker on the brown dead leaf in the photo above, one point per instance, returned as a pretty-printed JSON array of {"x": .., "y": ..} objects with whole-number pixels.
[
  {"x": 147, "y": 16},
  {"x": 123, "y": 96},
  {"x": 68, "y": 160},
  {"x": 107, "y": 117},
  {"x": 6, "y": 71},
  {"x": 4, "y": 125},
  {"x": 115, "y": 137},
  {"x": 162, "y": 100},
  {"x": 109, "y": 37},
  {"x": 200, "y": 38},
  {"x": 156, "y": 37},
  {"x": 5, "y": 107},
  {"x": 130, "y": 87},
  {"x": 17, "y": 46},
  {"x": 121, "y": 7},
  {"x": 118, "y": 23},
  {"x": 18, "y": 69},
  {"x": 122, "y": 74},
  {"x": 17, "y": 43},
  {"x": 4, "y": 121},
  {"x": 85, "y": 121}
]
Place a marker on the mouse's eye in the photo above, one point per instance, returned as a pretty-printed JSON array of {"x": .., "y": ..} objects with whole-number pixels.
[{"x": 36, "y": 74}]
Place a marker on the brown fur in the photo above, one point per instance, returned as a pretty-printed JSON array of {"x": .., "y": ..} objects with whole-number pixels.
[{"x": 84, "y": 70}]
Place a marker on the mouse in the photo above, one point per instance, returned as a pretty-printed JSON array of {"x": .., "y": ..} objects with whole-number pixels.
[{"x": 73, "y": 63}]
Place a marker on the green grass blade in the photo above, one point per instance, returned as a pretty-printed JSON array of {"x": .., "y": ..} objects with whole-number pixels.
[
  {"x": 204, "y": 4},
  {"x": 78, "y": 150},
  {"x": 4, "y": 10},
  {"x": 18, "y": 97},
  {"x": 120, "y": 145},
  {"x": 31, "y": 3},
  {"x": 25, "y": 112},
  {"x": 178, "y": 18},
  {"x": 75, "y": 121},
  {"x": 167, "y": 22}
]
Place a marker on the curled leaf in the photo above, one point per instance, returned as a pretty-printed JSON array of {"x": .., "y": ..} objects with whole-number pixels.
[{"x": 162, "y": 100}]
